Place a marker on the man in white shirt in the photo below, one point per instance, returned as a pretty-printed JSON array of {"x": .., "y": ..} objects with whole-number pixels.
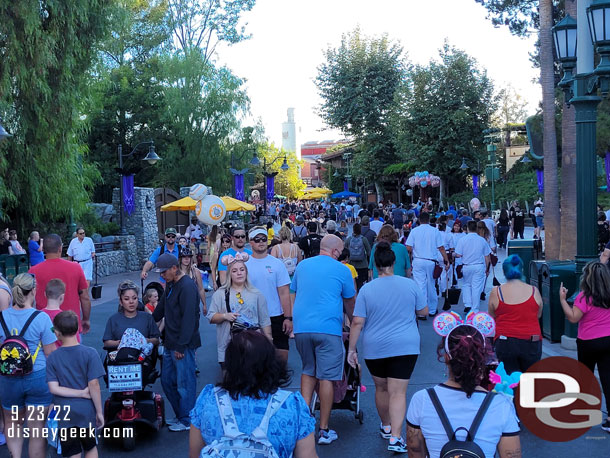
[
  {"x": 82, "y": 250},
  {"x": 193, "y": 231},
  {"x": 424, "y": 243},
  {"x": 491, "y": 225},
  {"x": 268, "y": 274},
  {"x": 474, "y": 251},
  {"x": 376, "y": 224}
]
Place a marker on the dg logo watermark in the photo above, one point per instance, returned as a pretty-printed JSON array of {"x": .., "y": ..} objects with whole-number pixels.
[{"x": 559, "y": 399}]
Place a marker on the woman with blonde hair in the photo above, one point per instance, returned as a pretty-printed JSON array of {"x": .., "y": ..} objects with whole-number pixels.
[
  {"x": 30, "y": 389},
  {"x": 288, "y": 252},
  {"x": 224, "y": 243},
  {"x": 237, "y": 305}
]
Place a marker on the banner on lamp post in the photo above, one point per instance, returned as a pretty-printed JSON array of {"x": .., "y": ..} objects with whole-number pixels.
[
  {"x": 540, "y": 180},
  {"x": 129, "y": 204},
  {"x": 239, "y": 186},
  {"x": 475, "y": 185},
  {"x": 345, "y": 186},
  {"x": 270, "y": 179}
]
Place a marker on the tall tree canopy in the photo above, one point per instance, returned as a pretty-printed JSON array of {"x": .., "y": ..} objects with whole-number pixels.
[
  {"x": 359, "y": 82},
  {"x": 443, "y": 118},
  {"x": 45, "y": 51}
]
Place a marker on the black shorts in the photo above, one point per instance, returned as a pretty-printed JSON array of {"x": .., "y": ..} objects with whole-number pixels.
[
  {"x": 280, "y": 339},
  {"x": 400, "y": 367},
  {"x": 77, "y": 441}
]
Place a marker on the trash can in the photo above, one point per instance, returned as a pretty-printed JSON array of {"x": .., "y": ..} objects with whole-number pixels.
[
  {"x": 528, "y": 250},
  {"x": 10, "y": 267},
  {"x": 535, "y": 274},
  {"x": 3, "y": 264},
  {"x": 554, "y": 273}
]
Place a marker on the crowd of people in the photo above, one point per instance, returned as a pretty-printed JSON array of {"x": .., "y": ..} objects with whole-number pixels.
[{"x": 345, "y": 283}]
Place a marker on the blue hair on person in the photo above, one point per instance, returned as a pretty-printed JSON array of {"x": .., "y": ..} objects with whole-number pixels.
[{"x": 513, "y": 267}]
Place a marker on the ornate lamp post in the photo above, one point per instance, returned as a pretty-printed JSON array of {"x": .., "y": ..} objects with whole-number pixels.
[
  {"x": 574, "y": 43},
  {"x": 151, "y": 157},
  {"x": 256, "y": 162}
]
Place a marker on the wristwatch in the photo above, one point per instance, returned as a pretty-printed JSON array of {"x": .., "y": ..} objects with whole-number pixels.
[{"x": 289, "y": 318}]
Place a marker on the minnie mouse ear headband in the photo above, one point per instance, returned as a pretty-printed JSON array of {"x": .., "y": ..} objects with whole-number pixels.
[
  {"x": 230, "y": 259},
  {"x": 446, "y": 322}
]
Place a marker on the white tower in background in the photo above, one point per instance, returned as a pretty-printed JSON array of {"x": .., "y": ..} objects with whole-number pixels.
[{"x": 289, "y": 134}]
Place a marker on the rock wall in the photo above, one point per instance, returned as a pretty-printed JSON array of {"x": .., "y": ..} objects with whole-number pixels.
[{"x": 121, "y": 260}]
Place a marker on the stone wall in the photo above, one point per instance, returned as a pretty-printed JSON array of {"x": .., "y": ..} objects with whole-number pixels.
[
  {"x": 142, "y": 224},
  {"x": 121, "y": 260}
]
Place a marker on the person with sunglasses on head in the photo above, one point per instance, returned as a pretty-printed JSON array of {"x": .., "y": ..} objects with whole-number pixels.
[
  {"x": 82, "y": 250},
  {"x": 465, "y": 352},
  {"x": 188, "y": 266},
  {"x": 238, "y": 245},
  {"x": 270, "y": 276},
  {"x": 237, "y": 305},
  {"x": 170, "y": 247},
  {"x": 77, "y": 289},
  {"x": 31, "y": 390}
]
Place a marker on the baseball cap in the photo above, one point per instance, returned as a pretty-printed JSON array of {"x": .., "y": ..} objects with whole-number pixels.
[
  {"x": 170, "y": 230},
  {"x": 257, "y": 231},
  {"x": 166, "y": 261}
]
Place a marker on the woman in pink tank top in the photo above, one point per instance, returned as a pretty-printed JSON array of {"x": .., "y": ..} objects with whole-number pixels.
[
  {"x": 516, "y": 307},
  {"x": 592, "y": 313}
]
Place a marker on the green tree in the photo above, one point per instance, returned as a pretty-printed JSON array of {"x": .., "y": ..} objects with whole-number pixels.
[
  {"x": 359, "y": 82},
  {"x": 512, "y": 107},
  {"x": 287, "y": 183},
  {"x": 443, "y": 119},
  {"x": 46, "y": 49}
]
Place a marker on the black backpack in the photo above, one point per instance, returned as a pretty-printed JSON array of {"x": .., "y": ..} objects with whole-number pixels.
[
  {"x": 456, "y": 448},
  {"x": 15, "y": 357},
  {"x": 313, "y": 242}
]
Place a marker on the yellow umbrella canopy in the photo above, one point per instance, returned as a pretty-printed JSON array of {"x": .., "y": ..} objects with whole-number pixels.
[
  {"x": 313, "y": 195},
  {"x": 319, "y": 191},
  {"x": 186, "y": 203}
]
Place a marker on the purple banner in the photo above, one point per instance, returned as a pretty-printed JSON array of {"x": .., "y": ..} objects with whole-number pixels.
[
  {"x": 345, "y": 186},
  {"x": 607, "y": 160},
  {"x": 475, "y": 184},
  {"x": 540, "y": 180},
  {"x": 239, "y": 186},
  {"x": 128, "y": 194},
  {"x": 270, "y": 186}
]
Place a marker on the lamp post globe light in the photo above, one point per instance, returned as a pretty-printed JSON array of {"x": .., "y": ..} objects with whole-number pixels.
[{"x": 151, "y": 158}]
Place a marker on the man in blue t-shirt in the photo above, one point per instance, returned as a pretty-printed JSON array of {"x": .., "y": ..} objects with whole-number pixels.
[
  {"x": 324, "y": 288},
  {"x": 238, "y": 245},
  {"x": 170, "y": 247}
]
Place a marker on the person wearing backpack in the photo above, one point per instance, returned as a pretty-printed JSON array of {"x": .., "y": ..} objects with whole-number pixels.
[
  {"x": 359, "y": 254},
  {"x": 310, "y": 244},
  {"x": 26, "y": 340},
  {"x": 459, "y": 399},
  {"x": 248, "y": 414},
  {"x": 286, "y": 251}
]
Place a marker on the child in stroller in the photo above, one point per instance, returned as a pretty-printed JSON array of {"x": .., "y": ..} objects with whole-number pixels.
[{"x": 135, "y": 337}]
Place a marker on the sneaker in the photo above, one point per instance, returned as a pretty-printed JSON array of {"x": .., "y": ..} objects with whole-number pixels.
[
  {"x": 446, "y": 306},
  {"x": 467, "y": 310},
  {"x": 179, "y": 427},
  {"x": 326, "y": 437},
  {"x": 385, "y": 431},
  {"x": 173, "y": 421},
  {"x": 432, "y": 315},
  {"x": 422, "y": 318},
  {"x": 606, "y": 425},
  {"x": 397, "y": 445}
]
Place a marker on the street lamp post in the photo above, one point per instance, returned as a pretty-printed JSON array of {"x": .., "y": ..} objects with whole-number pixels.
[
  {"x": 151, "y": 157},
  {"x": 574, "y": 46},
  {"x": 256, "y": 161}
]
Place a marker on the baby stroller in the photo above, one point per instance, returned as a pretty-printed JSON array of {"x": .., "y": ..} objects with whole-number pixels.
[
  {"x": 347, "y": 390},
  {"x": 129, "y": 371}
]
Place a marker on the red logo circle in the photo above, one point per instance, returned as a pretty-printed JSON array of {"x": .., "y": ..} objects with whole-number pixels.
[{"x": 559, "y": 399}]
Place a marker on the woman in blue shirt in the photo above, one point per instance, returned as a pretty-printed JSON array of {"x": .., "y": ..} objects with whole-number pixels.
[
  {"x": 35, "y": 249},
  {"x": 402, "y": 266},
  {"x": 253, "y": 373}
]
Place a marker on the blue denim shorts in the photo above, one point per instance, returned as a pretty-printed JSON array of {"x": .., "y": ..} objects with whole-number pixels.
[{"x": 30, "y": 390}]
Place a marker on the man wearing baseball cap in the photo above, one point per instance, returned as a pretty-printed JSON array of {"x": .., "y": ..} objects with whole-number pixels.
[
  {"x": 179, "y": 305},
  {"x": 170, "y": 246},
  {"x": 269, "y": 274}
]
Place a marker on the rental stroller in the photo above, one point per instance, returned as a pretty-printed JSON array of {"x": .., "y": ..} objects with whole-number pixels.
[{"x": 347, "y": 390}]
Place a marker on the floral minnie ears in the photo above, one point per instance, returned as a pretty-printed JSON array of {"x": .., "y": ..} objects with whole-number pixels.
[
  {"x": 230, "y": 259},
  {"x": 446, "y": 322}
]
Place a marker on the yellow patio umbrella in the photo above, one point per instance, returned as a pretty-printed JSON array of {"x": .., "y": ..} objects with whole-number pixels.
[
  {"x": 186, "y": 203},
  {"x": 319, "y": 191},
  {"x": 313, "y": 195},
  {"x": 234, "y": 205}
]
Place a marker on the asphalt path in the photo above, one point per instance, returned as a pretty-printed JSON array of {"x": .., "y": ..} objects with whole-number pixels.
[{"x": 355, "y": 440}]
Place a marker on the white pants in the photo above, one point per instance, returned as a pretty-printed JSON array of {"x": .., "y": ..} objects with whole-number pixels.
[
  {"x": 472, "y": 285},
  {"x": 423, "y": 270}
]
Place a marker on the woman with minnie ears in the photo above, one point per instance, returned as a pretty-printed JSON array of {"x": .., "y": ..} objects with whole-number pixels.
[
  {"x": 465, "y": 351},
  {"x": 237, "y": 301}
]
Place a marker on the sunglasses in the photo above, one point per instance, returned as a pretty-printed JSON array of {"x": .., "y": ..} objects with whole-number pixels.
[
  {"x": 259, "y": 239},
  {"x": 239, "y": 298},
  {"x": 170, "y": 236},
  {"x": 240, "y": 236}
]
